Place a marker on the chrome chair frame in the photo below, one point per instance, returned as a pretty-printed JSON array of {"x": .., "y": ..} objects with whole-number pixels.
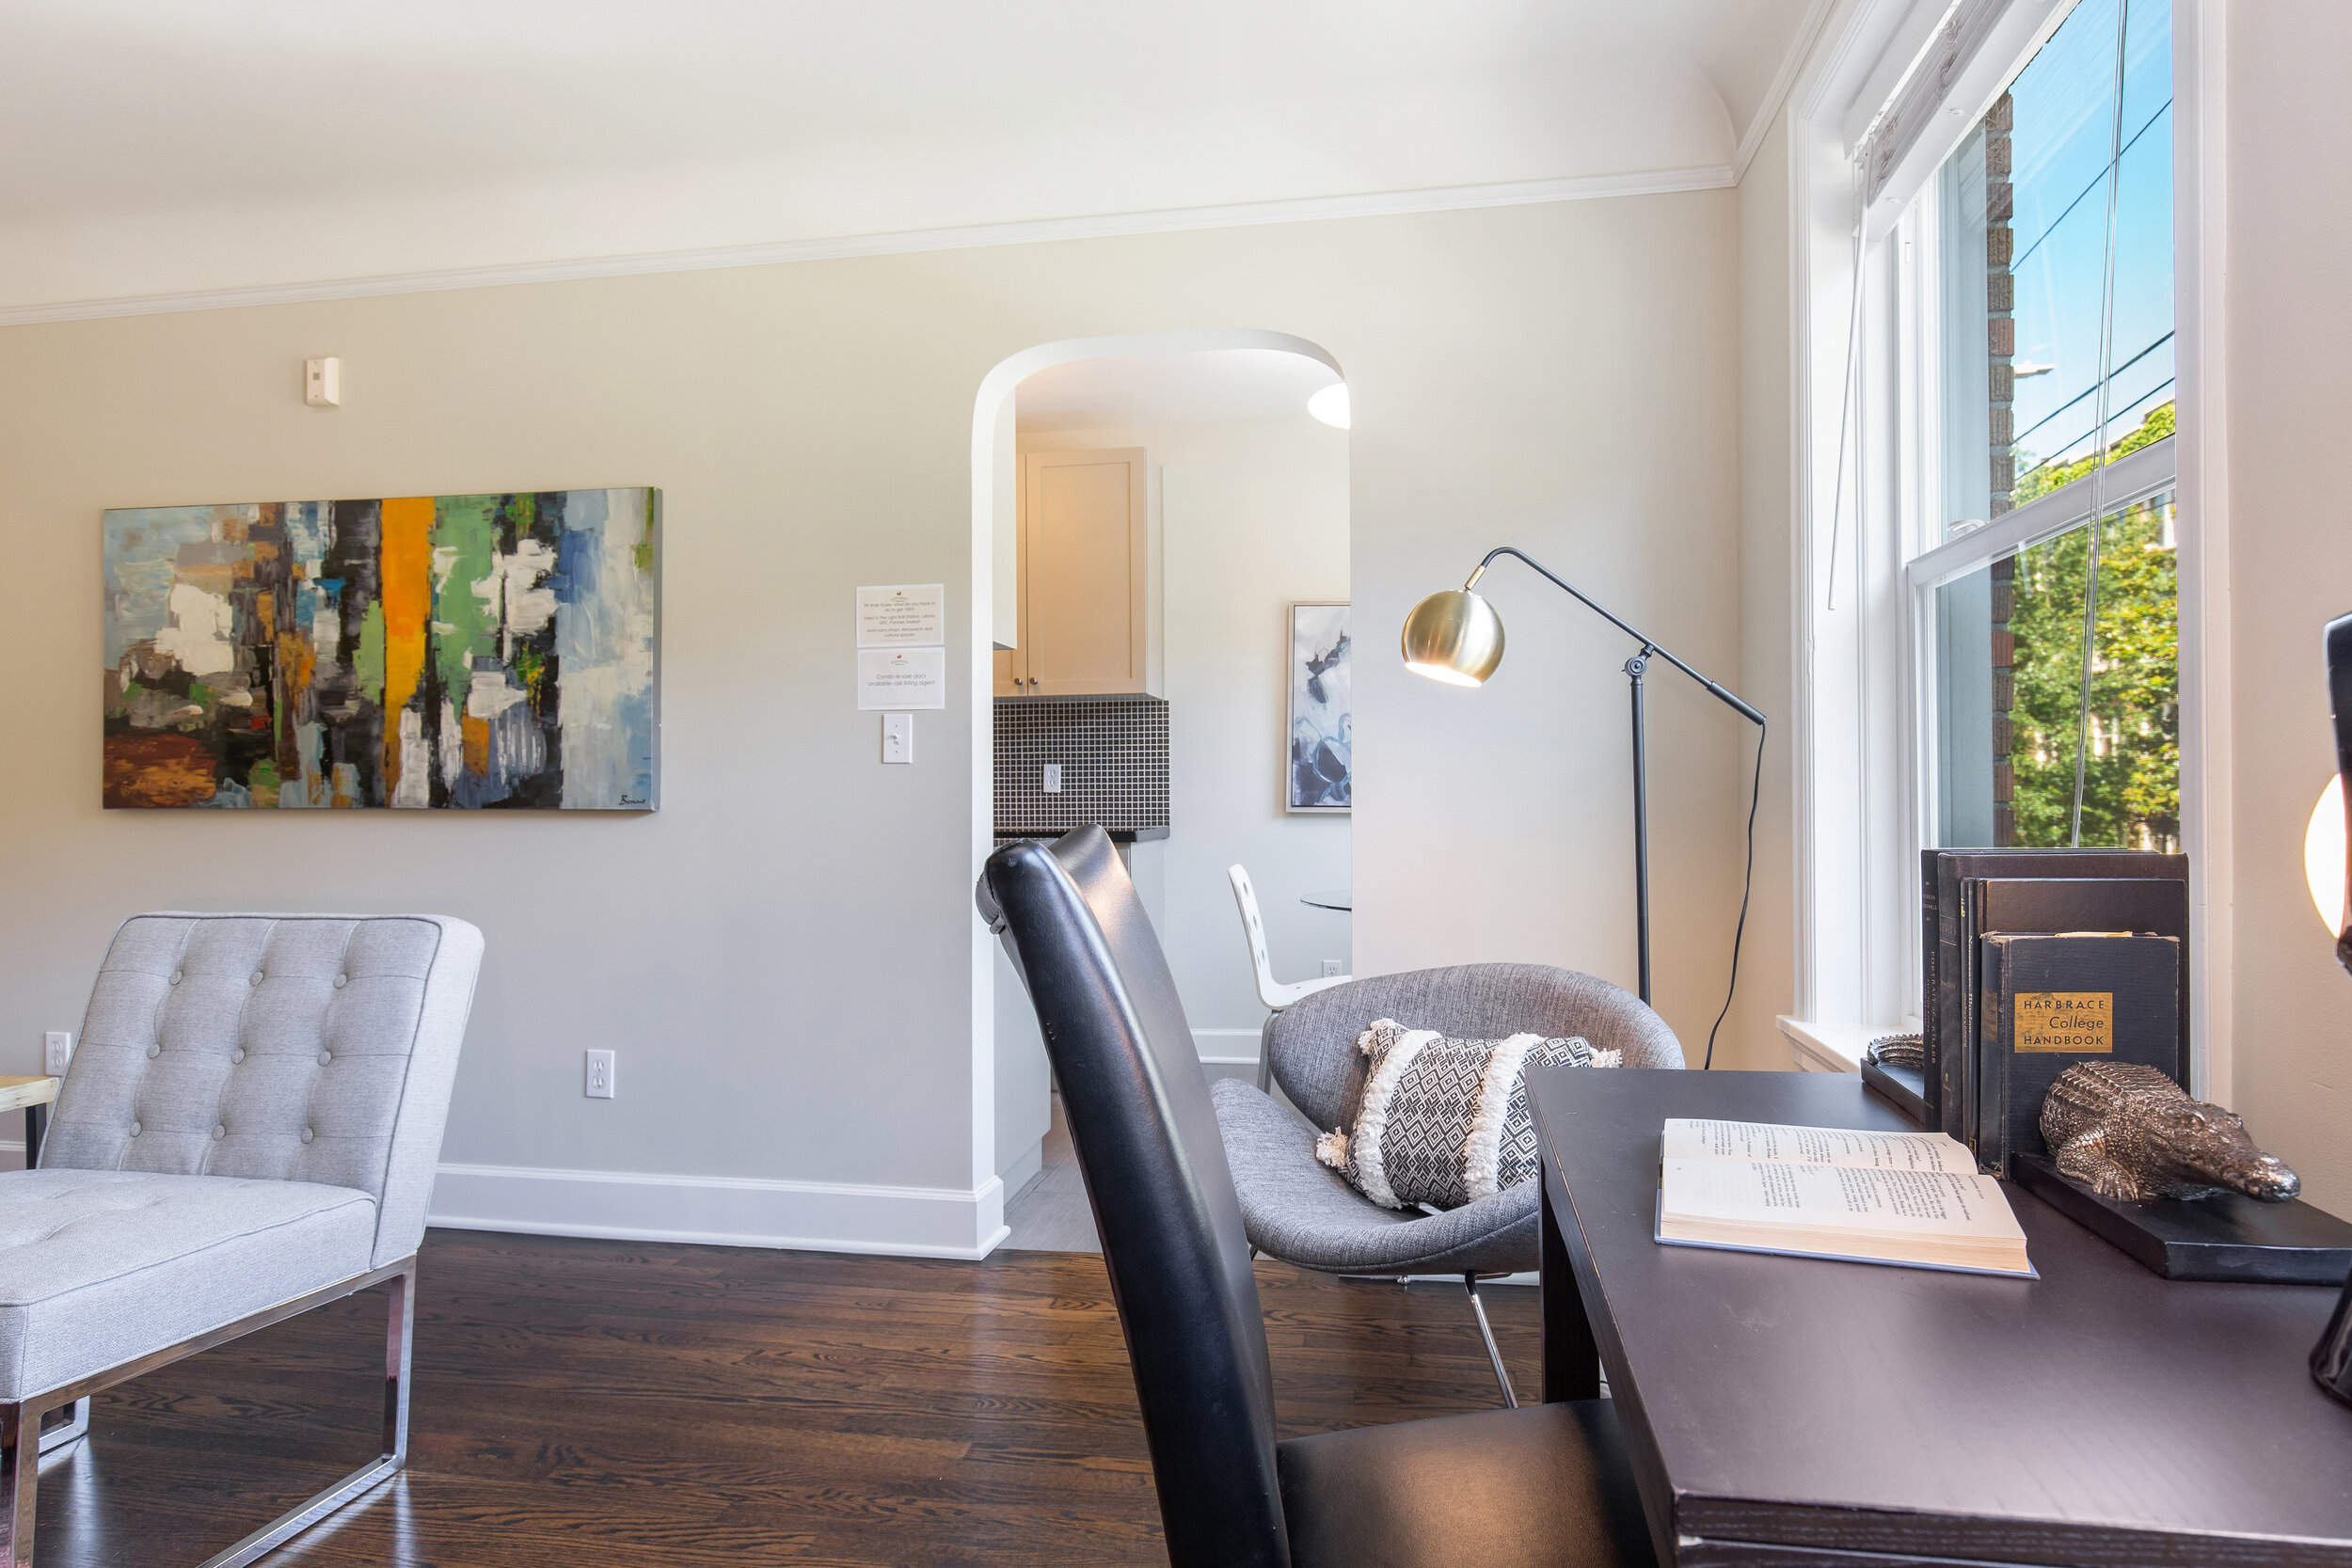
[{"x": 21, "y": 1421}]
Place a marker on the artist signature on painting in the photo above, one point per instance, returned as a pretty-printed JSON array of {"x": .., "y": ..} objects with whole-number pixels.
[{"x": 633, "y": 799}]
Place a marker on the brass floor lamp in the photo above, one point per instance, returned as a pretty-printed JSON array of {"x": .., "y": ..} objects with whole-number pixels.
[{"x": 1455, "y": 637}]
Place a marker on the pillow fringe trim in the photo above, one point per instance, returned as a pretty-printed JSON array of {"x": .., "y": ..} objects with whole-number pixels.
[
  {"x": 1482, "y": 1150},
  {"x": 1365, "y": 1160}
]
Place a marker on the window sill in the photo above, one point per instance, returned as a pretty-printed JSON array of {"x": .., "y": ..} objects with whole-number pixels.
[{"x": 1829, "y": 1047}]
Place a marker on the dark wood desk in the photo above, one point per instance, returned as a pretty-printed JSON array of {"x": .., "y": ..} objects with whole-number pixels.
[{"x": 1796, "y": 1411}]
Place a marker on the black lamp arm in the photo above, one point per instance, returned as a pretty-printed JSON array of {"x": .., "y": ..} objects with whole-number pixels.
[{"x": 1649, "y": 645}]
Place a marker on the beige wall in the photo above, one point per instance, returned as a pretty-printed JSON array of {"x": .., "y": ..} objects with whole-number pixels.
[
  {"x": 1767, "y": 967},
  {"x": 2289, "y": 396},
  {"x": 1592, "y": 424},
  {"x": 784, "y": 957}
]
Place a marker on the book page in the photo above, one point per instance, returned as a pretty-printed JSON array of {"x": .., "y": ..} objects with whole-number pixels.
[
  {"x": 1839, "y": 1197},
  {"x": 1816, "y": 1146}
]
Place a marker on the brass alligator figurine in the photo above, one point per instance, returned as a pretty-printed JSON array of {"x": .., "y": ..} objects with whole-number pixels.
[{"x": 2127, "y": 1131}]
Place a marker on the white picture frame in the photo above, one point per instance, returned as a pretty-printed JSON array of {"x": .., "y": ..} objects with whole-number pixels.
[{"x": 1318, "y": 737}]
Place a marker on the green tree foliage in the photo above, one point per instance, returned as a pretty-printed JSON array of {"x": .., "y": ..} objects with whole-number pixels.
[{"x": 2131, "y": 777}]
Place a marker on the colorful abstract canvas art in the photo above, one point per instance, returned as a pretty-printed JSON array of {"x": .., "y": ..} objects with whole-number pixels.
[{"x": 469, "y": 651}]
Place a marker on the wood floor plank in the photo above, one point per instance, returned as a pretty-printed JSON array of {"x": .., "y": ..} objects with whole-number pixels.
[{"x": 624, "y": 1402}]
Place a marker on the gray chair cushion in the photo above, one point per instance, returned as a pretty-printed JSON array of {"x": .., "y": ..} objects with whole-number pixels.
[
  {"x": 98, "y": 1268},
  {"x": 286, "y": 1047},
  {"x": 1312, "y": 1044},
  {"x": 1305, "y": 1213}
]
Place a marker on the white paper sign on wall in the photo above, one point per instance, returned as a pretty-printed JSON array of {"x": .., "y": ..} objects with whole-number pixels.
[
  {"x": 902, "y": 678},
  {"x": 902, "y": 615}
]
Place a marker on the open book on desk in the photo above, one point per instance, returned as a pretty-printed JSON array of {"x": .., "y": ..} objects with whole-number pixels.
[{"x": 1914, "y": 1199}]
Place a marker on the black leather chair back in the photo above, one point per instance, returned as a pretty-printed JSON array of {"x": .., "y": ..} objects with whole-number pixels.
[{"x": 1138, "y": 1103}]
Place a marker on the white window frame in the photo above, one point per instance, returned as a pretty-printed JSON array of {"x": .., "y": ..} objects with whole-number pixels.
[{"x": 1864, "y": 792}]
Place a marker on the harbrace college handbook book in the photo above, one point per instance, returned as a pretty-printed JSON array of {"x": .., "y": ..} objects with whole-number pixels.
[{"x": 1911, "y": 1199}]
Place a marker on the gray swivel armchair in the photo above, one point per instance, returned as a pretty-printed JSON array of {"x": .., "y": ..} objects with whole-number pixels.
[
  {"x": 1302, "y": 1211},
  {"x": 249, "y": 1129}
]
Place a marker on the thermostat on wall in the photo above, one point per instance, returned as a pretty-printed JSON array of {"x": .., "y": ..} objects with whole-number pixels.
[{"x": 322, "y": 383}]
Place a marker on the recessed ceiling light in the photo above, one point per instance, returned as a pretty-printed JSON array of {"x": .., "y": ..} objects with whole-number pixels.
[{"x": 1330, "y": 405}]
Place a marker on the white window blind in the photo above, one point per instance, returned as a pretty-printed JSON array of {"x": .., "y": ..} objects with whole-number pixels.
[{"x": 1917, "y": 100}]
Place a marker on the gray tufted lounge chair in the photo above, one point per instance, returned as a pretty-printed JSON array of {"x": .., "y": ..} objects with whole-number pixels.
[
  {"x": 248, "y": 1129},
  {"x": 1298, "y": 1209}
]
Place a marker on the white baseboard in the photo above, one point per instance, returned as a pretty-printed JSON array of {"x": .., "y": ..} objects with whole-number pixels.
[
  {"x": 718, "y": 1210},
  {"x": 1023, "y": 1170},
  {"x": 1226, "y": 1045}
]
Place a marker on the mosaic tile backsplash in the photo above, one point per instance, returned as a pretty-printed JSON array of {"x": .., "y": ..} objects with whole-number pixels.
[{"x": 1113, "y": 752}]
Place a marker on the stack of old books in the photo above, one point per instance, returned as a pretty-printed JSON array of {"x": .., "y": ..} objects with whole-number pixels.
[{"x": 2035, "y": 959}]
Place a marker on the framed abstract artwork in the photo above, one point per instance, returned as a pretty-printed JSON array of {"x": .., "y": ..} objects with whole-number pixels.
[
  {"x": 1318, "y": 773},
  {"x": 491, "y": 652}
]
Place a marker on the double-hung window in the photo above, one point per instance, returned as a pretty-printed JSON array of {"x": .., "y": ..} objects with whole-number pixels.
[
  {"x": 2046, "y": 584},
  {"x": 1988, "y": 644}
]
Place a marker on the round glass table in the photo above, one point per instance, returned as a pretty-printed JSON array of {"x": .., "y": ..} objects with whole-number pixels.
[{"x": 1339, "y": 898}]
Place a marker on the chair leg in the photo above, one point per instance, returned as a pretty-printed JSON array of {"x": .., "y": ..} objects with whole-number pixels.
[
  {"x": 72, "y": 1431},
  {"x": 399, "y": 1338},
  {"x": 1485, "y": 1332},
  {"x": 1266, "y": 1054},
  {"x": 20, "y": 1477}
]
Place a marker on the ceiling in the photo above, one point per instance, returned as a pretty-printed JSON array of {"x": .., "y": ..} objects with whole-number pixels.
[
  {"x": 1130, "y": 391},
  {"x": 160, "y": 146}
]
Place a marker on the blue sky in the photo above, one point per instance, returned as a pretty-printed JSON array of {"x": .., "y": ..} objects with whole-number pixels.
[{"x": 2062, "y": 136}]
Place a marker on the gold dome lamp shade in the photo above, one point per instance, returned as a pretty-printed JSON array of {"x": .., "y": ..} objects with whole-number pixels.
[{"x": 1454, "y": 636}]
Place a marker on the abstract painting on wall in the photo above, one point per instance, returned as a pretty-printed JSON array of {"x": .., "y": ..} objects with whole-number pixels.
[
  {"x": 1318, "y": 773},
  {"x": 465, "y": 651}
]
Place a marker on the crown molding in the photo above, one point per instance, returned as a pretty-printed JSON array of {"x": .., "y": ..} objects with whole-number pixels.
[
  {"x": 1784, "y": 82},
  {"x": 1319, "y": 209}
]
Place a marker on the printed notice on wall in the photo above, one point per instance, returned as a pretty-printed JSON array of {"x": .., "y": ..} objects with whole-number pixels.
[
  {"x": 902, "y": 615},
  {"x": 901, "y": 677}
]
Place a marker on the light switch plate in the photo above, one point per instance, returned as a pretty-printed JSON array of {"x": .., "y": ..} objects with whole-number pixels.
[
  {"x": 599, "y": 1085},
  {"x": 1053, "y": 778},
  {"x": 57, "y": 1053},
  {"x": 898, "y": 737}
]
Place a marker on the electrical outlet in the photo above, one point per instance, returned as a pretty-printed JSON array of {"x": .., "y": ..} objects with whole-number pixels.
[
  {"x": 57, "y": 1053},
  {"x": 1053, "y": 778},
  {"x": 1332, "y": 968},
  {"x": 600, "y": 1075}
]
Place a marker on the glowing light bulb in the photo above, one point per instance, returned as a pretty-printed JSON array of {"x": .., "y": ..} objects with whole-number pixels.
[{"x": 2323, "y": 854}]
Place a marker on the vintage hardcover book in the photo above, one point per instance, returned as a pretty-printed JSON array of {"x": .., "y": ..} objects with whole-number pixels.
[
  {"x": 2143, "y": 905},
  {"x": 1930, "y": 1089},
  {"x": 1912, "y": 1199},
  {"x": 2052, "y": 1001},
  {"x": 1946, "y": 1020}
]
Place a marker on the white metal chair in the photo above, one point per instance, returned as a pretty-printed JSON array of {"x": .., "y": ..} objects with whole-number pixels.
[{"x": 1273, "y": 993}]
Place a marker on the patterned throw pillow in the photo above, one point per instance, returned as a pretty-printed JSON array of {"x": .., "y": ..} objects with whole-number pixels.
[{"x": 1444, "y": 1122}]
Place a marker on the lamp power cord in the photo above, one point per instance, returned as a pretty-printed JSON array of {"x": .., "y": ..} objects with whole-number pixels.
[{"x": 1756, "y": 796}]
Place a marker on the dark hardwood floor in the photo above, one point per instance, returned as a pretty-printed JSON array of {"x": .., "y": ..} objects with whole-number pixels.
[{"x": 582, "y": 1401}]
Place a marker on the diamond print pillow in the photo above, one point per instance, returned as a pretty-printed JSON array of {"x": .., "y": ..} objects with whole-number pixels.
[{"x": 1443, "y": 1121}]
